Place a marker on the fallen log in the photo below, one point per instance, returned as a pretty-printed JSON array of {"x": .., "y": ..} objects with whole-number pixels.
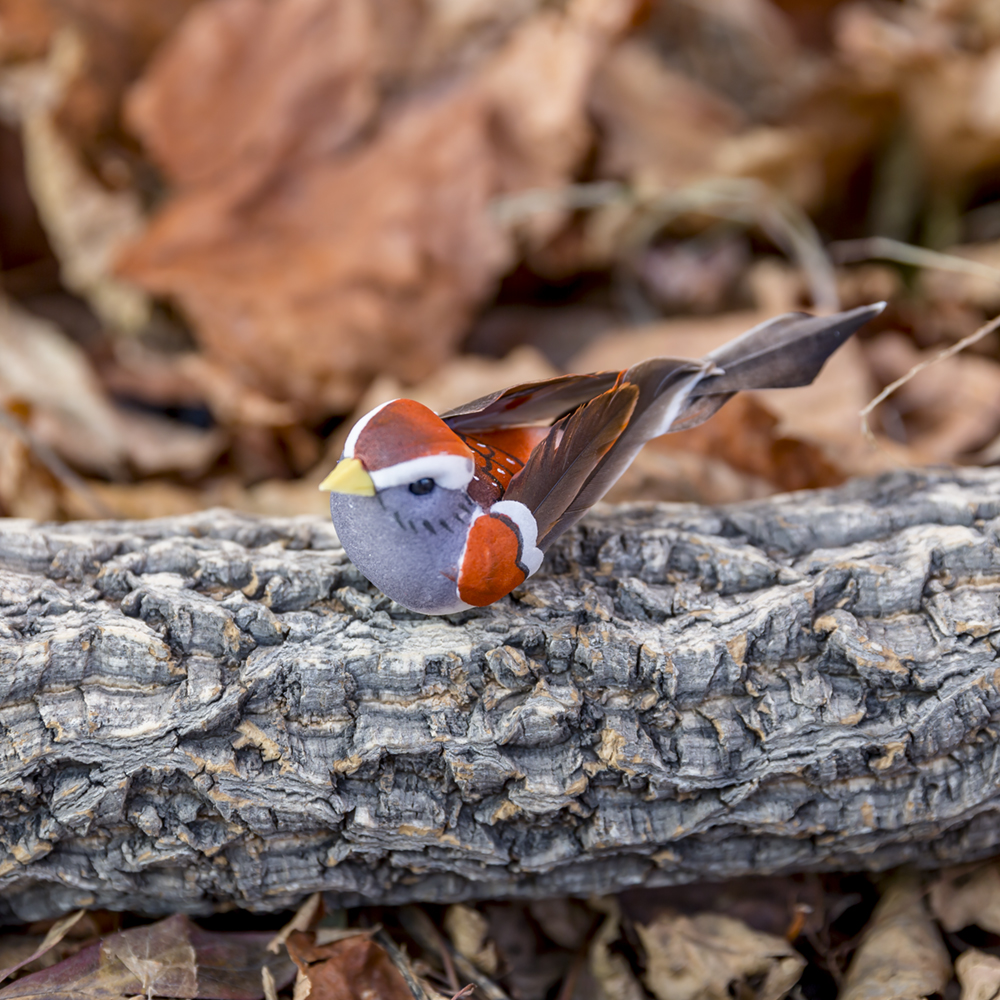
[{"x": 217, "y": 709}]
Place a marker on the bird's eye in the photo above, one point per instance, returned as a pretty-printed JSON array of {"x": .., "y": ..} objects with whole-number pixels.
[{"x": 422, "y": 486}]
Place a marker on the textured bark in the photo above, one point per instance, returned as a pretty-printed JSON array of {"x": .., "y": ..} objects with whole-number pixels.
[{"x": 217, "y": 708}]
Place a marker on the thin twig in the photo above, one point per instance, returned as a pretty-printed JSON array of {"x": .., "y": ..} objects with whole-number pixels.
[
  {"x": 467, "y": 970},
  {"x": 884, "y": 248},
  {"x": 983, "y": 331},
  {"x": 416, "y": 922},
  {"x": 513, "y": 208},
  {"x": 443, "y": 951},
  {"x": 69, "y": 479},
  {"x": 399, "y": 959},
  {"x": 569, "y": 983},
  {"x": 464, "y": 992}
]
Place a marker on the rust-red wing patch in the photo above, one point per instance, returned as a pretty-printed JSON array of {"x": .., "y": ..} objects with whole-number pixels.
[
  {"x": 490, "y": 568},
  {"x": 499, "y": 456},
  {"x": 514, "y": 442}
]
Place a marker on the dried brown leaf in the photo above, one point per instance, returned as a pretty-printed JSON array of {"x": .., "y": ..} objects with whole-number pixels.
[
  {"x": 245, "y": 85},
  {"x": 170, "y": 958},
  {"x": 901, "y": 956},
  {"x": 949, "y": 93},
  {"x": 613, "y": 973},
  {"x": 469, "y": 932},
  {"x": 965, "y": 896},
  {"x": 55, "y": 934},
  {"x": 368, "y": 261},
  {"x": 662, "y": 128},
  {"x": 304, "y": 916},
  {"x": 978, "y": 974},
  {"x": 27, "y": 488},
  {"x": 783, "y": 906},
  {"x": 68, "y": 410},
  {"x": 26, "y": 29},
  {"x": 86, "y": 224},
  {"x": 355, "y": 968},
  {"x": 707, "y": 956}
]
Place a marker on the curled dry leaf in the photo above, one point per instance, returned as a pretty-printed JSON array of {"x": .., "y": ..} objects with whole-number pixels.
[
  {"x": 612, "y": 971},
  {"x": 27, "y": 487},
  {"x": 708, "y": 956},
  {"x": 366, "y": 260},
  {"x": 978, "y": 974},
  {"x": 56, "y": 933},
  {"x": 746, "y": 437},
  {"x": 304, "y": 916},
  {"x": 171, "y": 958},
  {"x": 50, "y": 379},
  {"x": 948, "y": 91},
  {"x": 783, "y": 906},
  {"x": 44, "y": 369},
  {"x": 901, "y": 956},
  {"x": 355, "y": 968},
  {"x": 968, "y": 895},
  {"x": 469, "y": 932},
  {"x": 245, "y": 85},
  {"x": 662, "y": 128},
  {"x": 86, "y": 224},
  {"x": 26, "y": 29}
]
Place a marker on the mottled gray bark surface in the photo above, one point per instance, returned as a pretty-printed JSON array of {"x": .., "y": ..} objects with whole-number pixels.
[{"x": 217, "y": 708}]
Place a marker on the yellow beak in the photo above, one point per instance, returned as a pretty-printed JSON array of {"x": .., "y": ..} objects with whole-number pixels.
[{"x": 349, "y": 476}]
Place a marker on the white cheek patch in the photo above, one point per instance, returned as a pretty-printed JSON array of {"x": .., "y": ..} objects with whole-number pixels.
[
  {"x": 453, "y": 472},
  {"x": 531, "y": 555},
  {"x": 352, "y": 439}
]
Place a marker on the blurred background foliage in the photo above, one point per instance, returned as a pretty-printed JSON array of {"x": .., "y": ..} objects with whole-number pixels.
[{"x": 228, "y": 226}]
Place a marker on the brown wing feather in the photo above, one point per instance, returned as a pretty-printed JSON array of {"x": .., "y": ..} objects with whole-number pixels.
[
  {"x": 662, "y": 386},
  {"x": 562, "y": 463},
  {"x": 529, "y": 402}
]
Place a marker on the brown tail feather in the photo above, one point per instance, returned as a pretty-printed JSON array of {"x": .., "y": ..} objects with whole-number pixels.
[{"x": 785, "y": 352}]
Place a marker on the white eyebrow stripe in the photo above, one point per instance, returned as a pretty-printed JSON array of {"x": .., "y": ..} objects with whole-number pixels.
[
  {"x": 352, "y": 439},
  {"x": 453, "y": 472}
]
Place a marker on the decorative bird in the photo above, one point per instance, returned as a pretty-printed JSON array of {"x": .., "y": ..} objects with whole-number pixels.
[{"x": 447, "y": 512}]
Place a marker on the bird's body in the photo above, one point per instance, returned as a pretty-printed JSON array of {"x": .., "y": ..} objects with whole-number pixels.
[{"x": 448, "y": 512}]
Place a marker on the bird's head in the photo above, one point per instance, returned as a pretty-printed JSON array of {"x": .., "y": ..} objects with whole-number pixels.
[
  {"x": 401, "y": 443},
  {"x": 400, "y": 504}
]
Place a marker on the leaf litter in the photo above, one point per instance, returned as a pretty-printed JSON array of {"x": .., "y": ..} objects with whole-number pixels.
[{"x": 228, "y": 227}]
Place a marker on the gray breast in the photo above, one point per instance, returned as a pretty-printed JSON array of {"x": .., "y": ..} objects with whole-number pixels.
[{"x": 409, "y": 546}]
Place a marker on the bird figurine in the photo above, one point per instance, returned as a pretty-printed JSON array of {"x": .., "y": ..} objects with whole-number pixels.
[{"x": 451, "y": 511}]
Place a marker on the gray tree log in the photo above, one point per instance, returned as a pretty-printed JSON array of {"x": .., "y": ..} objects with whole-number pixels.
[{"x": 218, "y": 709}]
